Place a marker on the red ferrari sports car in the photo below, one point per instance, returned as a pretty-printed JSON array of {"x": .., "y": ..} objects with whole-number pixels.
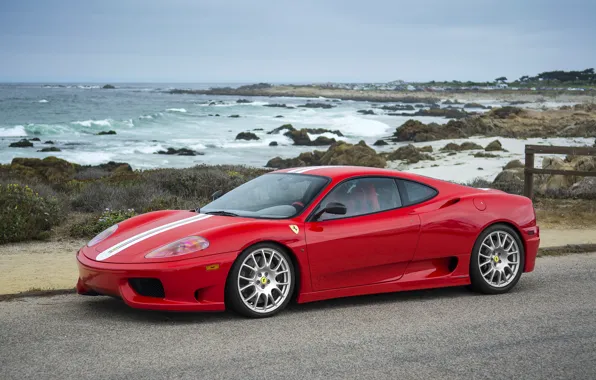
[{"x": 310, "y": 234}]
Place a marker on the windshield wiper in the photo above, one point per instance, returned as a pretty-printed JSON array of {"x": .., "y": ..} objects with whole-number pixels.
[{"x": 222, "y": 213}]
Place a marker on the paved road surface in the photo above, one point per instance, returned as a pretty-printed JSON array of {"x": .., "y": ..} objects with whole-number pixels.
[{"x": 545, "y": 328}]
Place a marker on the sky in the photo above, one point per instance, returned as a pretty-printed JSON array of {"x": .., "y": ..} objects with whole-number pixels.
[{"x": 215, "y": 41}]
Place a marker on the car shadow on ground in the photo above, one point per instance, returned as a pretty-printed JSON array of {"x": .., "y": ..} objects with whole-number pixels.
[{"x": 114, "y": 308}]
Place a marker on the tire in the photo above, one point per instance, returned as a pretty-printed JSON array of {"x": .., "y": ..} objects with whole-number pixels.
[
  {"x": 497, "y": 260},
  {"x": 261, "y": 282}
]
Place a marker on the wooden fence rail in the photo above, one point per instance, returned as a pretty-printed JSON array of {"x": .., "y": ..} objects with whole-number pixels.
[{"x": 530, "y": 170}]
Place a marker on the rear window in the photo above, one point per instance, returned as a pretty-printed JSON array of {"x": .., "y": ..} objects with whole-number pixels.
[{"x": 414, "y": 192}]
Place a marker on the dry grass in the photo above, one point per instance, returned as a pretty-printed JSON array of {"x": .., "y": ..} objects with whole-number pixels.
[{"x": 566, "y": 213}]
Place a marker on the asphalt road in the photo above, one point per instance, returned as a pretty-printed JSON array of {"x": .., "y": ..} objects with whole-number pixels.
[{"x": 545, "y": 328}]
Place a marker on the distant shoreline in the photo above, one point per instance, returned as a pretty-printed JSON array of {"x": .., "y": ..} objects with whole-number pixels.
[{"x": 382, "y": 96}]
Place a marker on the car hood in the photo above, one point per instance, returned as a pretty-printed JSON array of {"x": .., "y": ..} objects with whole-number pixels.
[{"x": 140, "y": 235}]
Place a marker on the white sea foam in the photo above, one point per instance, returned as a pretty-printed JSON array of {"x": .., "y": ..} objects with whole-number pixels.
[
  {"x": 15, "y": 131},
  {"x": 43, "y": 101},
  {"x": 89, "y": 123},
  {"x": 182, "y": 110},
  {"x": 358, "y": 126}
]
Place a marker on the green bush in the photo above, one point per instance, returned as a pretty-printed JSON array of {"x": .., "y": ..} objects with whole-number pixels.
[
  {"x": 97, "y": 223},
  {"x": 25, "y": 215}
]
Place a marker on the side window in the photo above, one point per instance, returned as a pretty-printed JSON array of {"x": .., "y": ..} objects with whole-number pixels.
[
  {"x": 414, "y": 192},
  {"x": 363, "y": 196}
]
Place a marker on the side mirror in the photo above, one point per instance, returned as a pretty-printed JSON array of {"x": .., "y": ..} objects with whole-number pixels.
[
  {"x": 334, "y": 208},
  {"x": 216, "y": 195}
]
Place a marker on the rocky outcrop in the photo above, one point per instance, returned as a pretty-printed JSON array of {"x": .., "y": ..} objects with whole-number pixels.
[
  {"x": 180, "y": 152},
  {"x": 466, "y": 145},
  {"x": 51, "y": 169},
  {"x": 108, "y": 87},
  {"x": 288, "y": 127},
  {"x": 301, "y": 137},
  {"x": 366, "y": 112},
  {"x": 514, "y": 164},
  {"x": 380, "y": 143},
  {"x": 494, "y": 146},
  {"x": 103, "y": 133},
  {"x": 234, "y": 116},
  {"x": 277, "y": 105},
  {"x": 50, "y": 149},
  {"x": 50, "y": 142},
  {"x": 246, "y": 136},
  {"x": 273, "y": 143},
  {"x": 24, "y": 143},
  {"x": 340, "y": 153},
  {"x": 398, "y": 107},
  {"x": 410, "y": 154},
  {"x": 505, "y": 122},
  {"x": 316, "y": 105},
  {"x": 243, "y": 101},
  {"x": 476, "y": 105},
  {"x": 450, "y": 113}
]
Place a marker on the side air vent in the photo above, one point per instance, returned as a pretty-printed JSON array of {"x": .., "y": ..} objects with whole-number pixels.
[{"x": 450, "y": 202}]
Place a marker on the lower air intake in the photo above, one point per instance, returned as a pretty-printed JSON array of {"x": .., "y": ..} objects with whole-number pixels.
[{"x": 148, "y": 287}]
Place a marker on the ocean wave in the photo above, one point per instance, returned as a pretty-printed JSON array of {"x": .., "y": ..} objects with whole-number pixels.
[
  {"x": 183, "y": 110},
  {"x": 16, "y": 131},
  {"x": 358, "y": 126},
  {"x": 42, "y": 101},
  {"x": 83, "y": 87},
  {"x": 90, "y": 123}
]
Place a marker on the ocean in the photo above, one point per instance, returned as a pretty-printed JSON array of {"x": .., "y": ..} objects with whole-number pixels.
[{"x": 148, "y": 119}]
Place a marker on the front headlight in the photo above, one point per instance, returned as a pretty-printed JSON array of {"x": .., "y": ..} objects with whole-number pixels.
[
  {"x": 180, "y": 247},
  {"x": 102, "y": 235}
]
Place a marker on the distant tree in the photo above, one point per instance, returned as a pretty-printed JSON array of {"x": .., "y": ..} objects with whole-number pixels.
[
  {"x": 524, "y": 78},
  {"x": 501, "y": 79}
]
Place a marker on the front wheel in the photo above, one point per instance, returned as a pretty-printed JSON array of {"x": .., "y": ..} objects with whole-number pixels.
[
  {"x": 497, "y": 261},
  {"x": 261, "y": 281}
]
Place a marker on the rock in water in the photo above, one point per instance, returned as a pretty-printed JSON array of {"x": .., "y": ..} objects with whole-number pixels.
[
  {"x": 180, "y": 152},
  {"x": 24, "y": 143},
  {"x": 246, "y": 136},
  {"x": 102, "y": 133}
]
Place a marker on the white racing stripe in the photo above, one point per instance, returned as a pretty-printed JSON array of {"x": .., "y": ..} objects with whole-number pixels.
[
  {"x": 309, "y": 168},
  {"x": 147, "y": 234}
]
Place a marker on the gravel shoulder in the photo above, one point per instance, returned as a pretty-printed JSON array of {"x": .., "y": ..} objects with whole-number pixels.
[{"x": 545, "y": 328}]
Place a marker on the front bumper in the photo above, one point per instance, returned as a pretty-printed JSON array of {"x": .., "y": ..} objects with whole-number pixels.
[{"x": 189, "y": 285}]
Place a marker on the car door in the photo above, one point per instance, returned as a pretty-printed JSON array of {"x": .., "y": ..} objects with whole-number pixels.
[{"x": 372, "y": 243}]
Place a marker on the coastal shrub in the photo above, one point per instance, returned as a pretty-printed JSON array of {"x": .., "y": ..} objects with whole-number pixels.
[
  {"x": 25, "y": 215},
  {"x": 100, "y": 195},
  {"x": 94, "y": 224},
  {"x": 200, "y": 182}
]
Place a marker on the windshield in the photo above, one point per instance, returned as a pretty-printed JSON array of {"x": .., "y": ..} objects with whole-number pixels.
[{"x": 276, "y": 196}]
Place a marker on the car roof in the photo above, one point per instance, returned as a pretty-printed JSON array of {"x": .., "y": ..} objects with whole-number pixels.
[{"x": 338, "y": 172}]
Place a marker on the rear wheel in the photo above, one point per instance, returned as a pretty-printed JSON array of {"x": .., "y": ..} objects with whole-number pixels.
[
  {"x": 497, "y": 261},
  {"x": 261, "y": 281}
]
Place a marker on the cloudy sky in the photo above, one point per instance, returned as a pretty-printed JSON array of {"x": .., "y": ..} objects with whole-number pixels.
[{"x": 291, "y": 40}]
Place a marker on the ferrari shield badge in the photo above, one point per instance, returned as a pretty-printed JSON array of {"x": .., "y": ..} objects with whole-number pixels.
[{"x": 294, "y": 228}]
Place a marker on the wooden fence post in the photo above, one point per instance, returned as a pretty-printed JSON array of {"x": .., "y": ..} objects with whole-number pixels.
[{"x": 528, "y": 174}]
